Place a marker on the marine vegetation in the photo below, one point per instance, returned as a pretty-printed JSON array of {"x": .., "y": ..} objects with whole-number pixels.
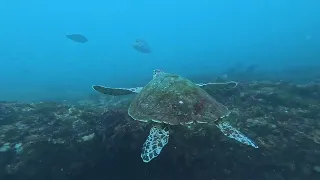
[{"x": 95, "y": 138}]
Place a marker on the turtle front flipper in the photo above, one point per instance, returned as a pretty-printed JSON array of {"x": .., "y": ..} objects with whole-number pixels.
[
  {"x": 157, "y": 139},
  {"x": 116, "y": 91},
  {"x": 233, "y": 84},
  {"x": 233, "y": 133}
]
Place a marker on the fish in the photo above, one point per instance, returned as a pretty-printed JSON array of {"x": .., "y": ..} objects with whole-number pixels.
[
  {"x": 141, "y": 46},
  {"x": 77, "y": 38}
]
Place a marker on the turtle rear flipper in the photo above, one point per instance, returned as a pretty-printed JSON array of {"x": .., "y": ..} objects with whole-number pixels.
[
  {"x": 233, "y": 133},
  {"x": 116, "y": 91},
  {"x": 157, "y": 139}
]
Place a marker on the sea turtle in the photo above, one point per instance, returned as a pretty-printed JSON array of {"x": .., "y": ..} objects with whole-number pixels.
[{"x": 169, "y": 99}]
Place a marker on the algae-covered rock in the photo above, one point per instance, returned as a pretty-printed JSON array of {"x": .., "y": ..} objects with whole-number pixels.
[{"x": 96, "y": 139}]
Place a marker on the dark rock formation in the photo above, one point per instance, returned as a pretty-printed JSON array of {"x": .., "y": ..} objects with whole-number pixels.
[{"x": 95, "y": 139}]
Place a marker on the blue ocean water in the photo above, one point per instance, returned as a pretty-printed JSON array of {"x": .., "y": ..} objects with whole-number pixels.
[{"x": 187, "y": 37}]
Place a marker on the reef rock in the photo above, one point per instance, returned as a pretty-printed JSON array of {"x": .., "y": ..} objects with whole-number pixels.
[{"x": 96, "y": 139}]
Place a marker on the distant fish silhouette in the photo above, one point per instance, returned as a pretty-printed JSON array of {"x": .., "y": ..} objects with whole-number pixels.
[
  {"x": 77, "y": 38},
  {"x": 141, "y": 46}
]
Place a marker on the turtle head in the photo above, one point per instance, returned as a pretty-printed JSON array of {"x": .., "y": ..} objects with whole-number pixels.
[{"x": 157, "y": 72}]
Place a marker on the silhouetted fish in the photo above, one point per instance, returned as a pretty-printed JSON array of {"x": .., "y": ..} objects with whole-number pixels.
[
  {"x": 141, "y": 46},
  {"x": 77, "y": 38}
]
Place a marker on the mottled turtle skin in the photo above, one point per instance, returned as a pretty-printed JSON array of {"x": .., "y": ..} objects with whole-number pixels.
[{"x": 174, "y": 100}]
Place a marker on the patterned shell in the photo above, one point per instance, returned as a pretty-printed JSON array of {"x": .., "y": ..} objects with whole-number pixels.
[{"x": 174, "y": 100}]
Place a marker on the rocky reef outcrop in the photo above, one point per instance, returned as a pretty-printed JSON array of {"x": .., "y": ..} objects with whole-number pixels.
[{"x": 95, "y": 139}]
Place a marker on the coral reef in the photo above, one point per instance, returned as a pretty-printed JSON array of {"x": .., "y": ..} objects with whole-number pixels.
[{"x": 95, "y": 139}]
